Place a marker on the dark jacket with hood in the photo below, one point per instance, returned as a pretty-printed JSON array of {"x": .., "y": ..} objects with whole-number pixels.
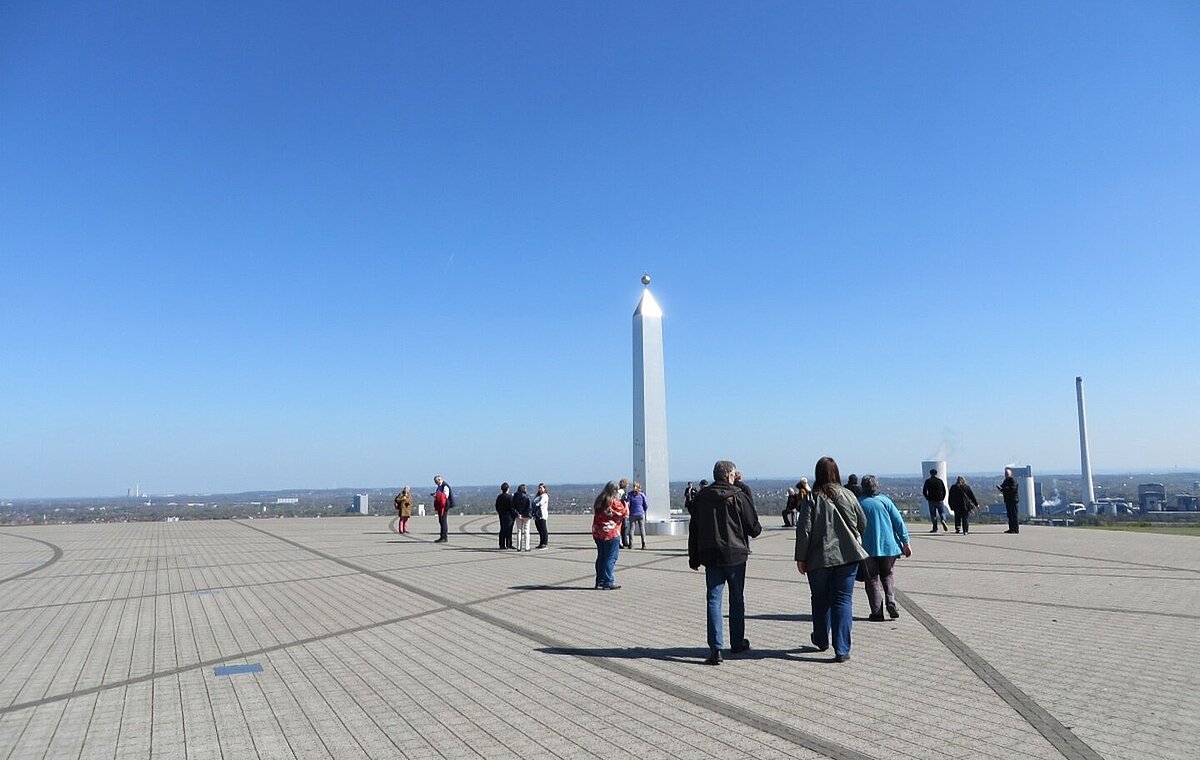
[{"x": 723, "y": 521}]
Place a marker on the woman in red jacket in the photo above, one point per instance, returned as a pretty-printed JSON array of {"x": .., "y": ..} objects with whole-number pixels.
[{"x": 608, "y": 515}]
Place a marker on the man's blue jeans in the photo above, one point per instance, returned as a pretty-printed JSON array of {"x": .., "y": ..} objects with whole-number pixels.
[
  {"x": 832, "y": 598},
  {"x": 716, "y": 578},
  {"x": 606, "y": 561}
]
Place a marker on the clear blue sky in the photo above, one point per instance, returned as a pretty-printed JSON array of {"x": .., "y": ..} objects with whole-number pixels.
[{"x": 275, "y": 245}]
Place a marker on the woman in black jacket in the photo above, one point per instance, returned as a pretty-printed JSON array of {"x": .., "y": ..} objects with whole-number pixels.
[{"x": 962, "y": 501}]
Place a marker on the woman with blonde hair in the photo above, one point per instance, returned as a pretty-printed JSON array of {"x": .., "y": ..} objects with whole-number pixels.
[
  {"x": 403, "y": 502},
  {"x": 608, "y": 515}
]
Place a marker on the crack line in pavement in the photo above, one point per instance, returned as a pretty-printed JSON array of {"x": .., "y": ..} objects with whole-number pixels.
[
  {"x": 287, "y": 644},
  {"x": 1062, "y": 738},
  {"x": 216, "y": 661},
  {"x": 1056, "y": 605},
  {"x": 767, "y": 725}
]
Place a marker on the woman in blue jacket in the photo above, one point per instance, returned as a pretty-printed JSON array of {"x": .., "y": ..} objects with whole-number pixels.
[
  {"x": 885, "y": 538},
  {"x": 637, "y": 514}
]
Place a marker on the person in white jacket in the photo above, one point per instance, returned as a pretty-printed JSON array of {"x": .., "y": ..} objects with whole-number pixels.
[{"x": 541, "y": 511}]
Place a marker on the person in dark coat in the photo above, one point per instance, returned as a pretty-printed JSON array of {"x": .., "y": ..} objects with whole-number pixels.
[
  {"x": 523, "y": 509},
  {"x": 723, "y": 522},
  {"x": 962, "y": 501},
  {"x": 1009, "y": 490},
  {"x": 504, "y": 510},
  {"x": 934, "y": 492},
  {"x": 689, "y": 495},
  {"x": 853, "y": 487}
]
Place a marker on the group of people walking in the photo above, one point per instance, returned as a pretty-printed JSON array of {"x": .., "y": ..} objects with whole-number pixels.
[
  {"x": 517, "y": 511},
  {"x": 839, "y": 538},
  {"x": 963, "y": 502},
  {"x": 844, "y": 533}
]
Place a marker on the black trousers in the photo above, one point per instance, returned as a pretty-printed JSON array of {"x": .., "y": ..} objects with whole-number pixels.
[
  {"x": 444, "y": 524},
  {"x": 543, "y": 531},
  {"x": 1013, "y": 525},
  {"x": 960, "y": 520},
  {"x": 506, "y": 528}
]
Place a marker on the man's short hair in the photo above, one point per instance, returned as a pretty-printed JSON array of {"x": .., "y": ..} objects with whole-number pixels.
[
  {"x": 870, "y": 485},
  {"x": 933, "y": 472},
  {"x": 723, "y": 470}
]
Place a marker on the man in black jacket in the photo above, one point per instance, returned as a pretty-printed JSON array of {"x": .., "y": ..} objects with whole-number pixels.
[
  {"x": 1009, "y": 490},
  {"x": 504, "y": 510},
  {"x": 723, "y": 522},
  {"x": 934, "y": 492}
]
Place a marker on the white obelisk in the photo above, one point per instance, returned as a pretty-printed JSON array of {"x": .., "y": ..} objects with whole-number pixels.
[
  {"x": 650, "y": 409},
  {"x": 1085, "y": 459}
]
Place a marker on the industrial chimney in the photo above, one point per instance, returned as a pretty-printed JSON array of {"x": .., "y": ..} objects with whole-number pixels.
[{"x": 1085, "y": 460}]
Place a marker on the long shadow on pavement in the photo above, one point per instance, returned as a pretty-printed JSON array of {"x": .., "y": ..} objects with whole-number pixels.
[
  {"x": 686, "y": 655},
  {"x": 546, "y": 587}
]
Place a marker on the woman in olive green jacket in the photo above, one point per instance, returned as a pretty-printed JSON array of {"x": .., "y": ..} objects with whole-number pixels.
[{"x": 828, "y": 550}]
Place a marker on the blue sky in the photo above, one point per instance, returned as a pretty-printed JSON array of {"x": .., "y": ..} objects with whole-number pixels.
[{"x": 277, "y": 245}]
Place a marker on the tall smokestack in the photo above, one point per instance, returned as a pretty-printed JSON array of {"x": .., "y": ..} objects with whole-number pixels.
[{"x": 1085, "y": 460}]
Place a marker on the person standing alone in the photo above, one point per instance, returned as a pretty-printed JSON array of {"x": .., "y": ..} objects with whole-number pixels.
[
  {"x": 723, "y": 521},
  {"x": 1009, "y": 490},
  {"x": 934, "y": 492}
]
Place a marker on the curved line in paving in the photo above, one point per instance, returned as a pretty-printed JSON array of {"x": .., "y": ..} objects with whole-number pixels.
[
  {"x": 58, "y": 553},
  {"x": 1062, "y": 738}
]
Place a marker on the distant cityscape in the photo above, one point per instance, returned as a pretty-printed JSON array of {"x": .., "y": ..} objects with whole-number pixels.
[{"x": 1157, "y": 497}]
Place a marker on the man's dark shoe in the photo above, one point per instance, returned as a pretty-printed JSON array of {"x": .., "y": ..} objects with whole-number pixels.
[
  {"x": 842, "y": 658},
  {"x": 813, "y": 638},
  {"x": 1010, "y": 531},
  {"x": 715, "y": 658},
  {"x": 613, "y": 587},
  {"x": 891, "y": 608},
  {"x": 743, "y": 646},
  {"x": 876, "y": 617},
  {"x": 944, "y": 526},
  {"x": 934, "y": 529}
]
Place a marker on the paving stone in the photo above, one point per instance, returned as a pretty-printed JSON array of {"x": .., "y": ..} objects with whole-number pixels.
[{"x": 1053, "y": 643}]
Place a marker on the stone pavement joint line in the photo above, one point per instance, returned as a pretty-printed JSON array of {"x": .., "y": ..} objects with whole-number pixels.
[
  {"x": 776, "y": 728},
  {"x": 58, "y": 553},
  {"x": 154, "y": 675},
  {"x": 1063, "y": 739}
]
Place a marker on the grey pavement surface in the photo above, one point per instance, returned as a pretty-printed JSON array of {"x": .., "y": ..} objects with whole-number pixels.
[{"x": 356, "y": 642}]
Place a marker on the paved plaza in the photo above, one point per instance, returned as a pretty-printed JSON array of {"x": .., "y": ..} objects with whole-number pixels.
[{"x": 338, "y": 638}]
